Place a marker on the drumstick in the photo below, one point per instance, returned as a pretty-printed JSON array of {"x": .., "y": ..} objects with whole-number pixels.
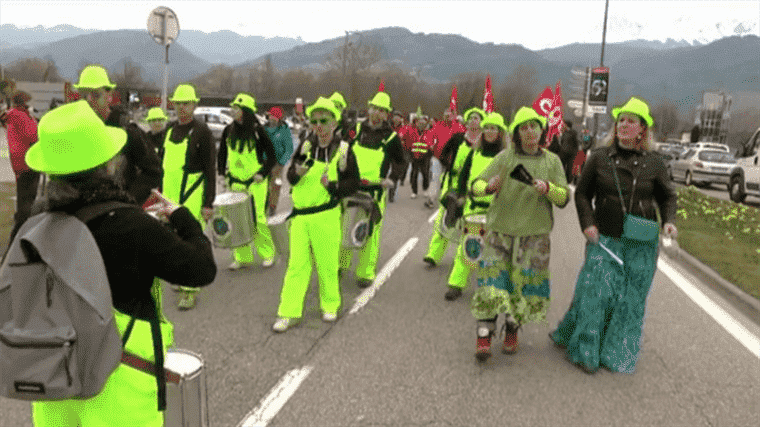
[{"x": 612, "y": 254}]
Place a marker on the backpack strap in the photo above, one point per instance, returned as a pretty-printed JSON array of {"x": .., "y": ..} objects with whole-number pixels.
[{"x": 88, "y": 213}]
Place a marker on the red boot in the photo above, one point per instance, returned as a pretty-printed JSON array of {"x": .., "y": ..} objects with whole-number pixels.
[{"x": 483, "y": 342}]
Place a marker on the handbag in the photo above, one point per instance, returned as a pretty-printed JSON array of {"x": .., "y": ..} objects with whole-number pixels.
[{"x": 634, "y": 226}]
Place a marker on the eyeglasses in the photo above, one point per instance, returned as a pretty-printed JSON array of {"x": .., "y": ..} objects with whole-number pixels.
[{"x": 319, "y": 121}]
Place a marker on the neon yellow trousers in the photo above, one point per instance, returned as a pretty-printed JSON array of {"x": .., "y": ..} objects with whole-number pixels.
[
  {"x": 366, "y": 266},
  {"x": 438, "y": 244},
  {"x": 461, "y": 271},
  {"x": 263, "y": 237},
  {"x": 316, "y": 235}
]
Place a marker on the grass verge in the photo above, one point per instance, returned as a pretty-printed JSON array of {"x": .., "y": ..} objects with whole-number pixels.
[
  {"x": 723, "y": 235},
  {"x": 7, "y": 210}
]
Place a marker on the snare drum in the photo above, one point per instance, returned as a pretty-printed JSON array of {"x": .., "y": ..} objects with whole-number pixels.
[
  {"x": 186, "y": 400},
  {"x": 233, "y": 224},
  {"x": 356, "y": 220},
  {"x": 474, "y": 239},
  {"x": 278, "y": 227}
]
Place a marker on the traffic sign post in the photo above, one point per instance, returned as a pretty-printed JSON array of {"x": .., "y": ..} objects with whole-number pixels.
[
  {"x": 600, "y": 77},
  {"x": 163, "y": 26}
]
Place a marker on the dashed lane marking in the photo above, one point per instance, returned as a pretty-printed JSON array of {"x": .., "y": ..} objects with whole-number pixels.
[
  {"x": 432, "y": 217},
  {"x": 384, "y": 274},
  {"x": 277, "y": 398}
]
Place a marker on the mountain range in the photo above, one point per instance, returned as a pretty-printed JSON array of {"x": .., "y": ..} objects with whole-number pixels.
[{"x": 677, "y": 70}]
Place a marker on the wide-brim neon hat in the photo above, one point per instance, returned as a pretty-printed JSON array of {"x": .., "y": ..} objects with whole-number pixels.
[
  {"x": 244, "y": 100},
  {"x": 94, "y": 77},
  {"x": 635, "y": 106},
  {"x": 494, "y": 119},
  {"x": 381, "y": 100},
  {"x": 323, "y": 103},
  {"x": 72, "y": 138},
  {"x": 526, "y": 114},
  {"x": 473, "y": 110},
  {"x": 337, "y": 98},
  {"x": 184, "y": 92},
  {"x": 155, "y": 113}
]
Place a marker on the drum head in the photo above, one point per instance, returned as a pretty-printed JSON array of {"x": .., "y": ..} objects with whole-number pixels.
[
  {"x": 360, "y": 232},
  {"x": 183, "y": 363},
  {"x": 473, "y": 248},
  {"x": 230, "y": 198},
  {"x": 475, "y": 219},
  {"x": 221, "y": 227}
]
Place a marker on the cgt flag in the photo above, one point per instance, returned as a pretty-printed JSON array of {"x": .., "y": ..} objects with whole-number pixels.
[
  {"x": 549, "y": 105},
  {"x": 488, "y": 106},
  {"x": 381, "y": 87},
  {"x": 453, "y": 101}
]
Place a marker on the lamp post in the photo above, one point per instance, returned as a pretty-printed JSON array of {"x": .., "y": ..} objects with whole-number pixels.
[
  {"x": 601, "y": 61},
  {"x": 163, "y": 26}
]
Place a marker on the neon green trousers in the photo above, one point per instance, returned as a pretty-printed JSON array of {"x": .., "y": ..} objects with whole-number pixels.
[
  {"x": 461, "y": 271},
  {"x": 318, "y": 234},
  {"x": 438, "y": 244},
  {"x": 366, "y": 266},
  {"x": 129, "y": 397},
  {"x": 263, "y": 237}
]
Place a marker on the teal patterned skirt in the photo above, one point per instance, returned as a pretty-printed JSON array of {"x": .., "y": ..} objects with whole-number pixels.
[
  {"x": 604, "y": 323},
  {"x": 513, "y": 278}
]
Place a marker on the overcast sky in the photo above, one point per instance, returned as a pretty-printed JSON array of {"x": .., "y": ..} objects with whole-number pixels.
[{"x": 533, "y": 24}]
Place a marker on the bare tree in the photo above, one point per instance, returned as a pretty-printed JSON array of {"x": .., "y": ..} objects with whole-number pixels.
[
  {"x": 354, "y": 58},
  {"x": 128, "y": 74},
  {"x": 33, "y": 70},
  {"x": 665, "y": 115},
  {"x": 519, "y": 88}
]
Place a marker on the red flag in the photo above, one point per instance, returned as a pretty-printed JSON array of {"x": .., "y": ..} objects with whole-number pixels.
[
  {"x": 453, "y": 102},
  {"x": 544, "y": 103},
  {"x": 488, "y": 96},
  {"x": 381, "y": 88},
  {"x": 556, "y": 114}
]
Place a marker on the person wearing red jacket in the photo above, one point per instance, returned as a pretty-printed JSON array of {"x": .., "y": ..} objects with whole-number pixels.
[
  {"x": 398, "y": 124},
  {"x": 440, "y": 133},
  {"x": 415, "y": 141},
  {"x": 21, "y": 132}
]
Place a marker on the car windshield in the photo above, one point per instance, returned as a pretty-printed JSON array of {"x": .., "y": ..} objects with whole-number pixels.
[{"x": 716, "y": 157}]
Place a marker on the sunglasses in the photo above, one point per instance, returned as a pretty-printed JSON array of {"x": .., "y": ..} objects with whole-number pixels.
[
  {"x": 95, "y": 94},
  {"x": 319, "y": 121}
]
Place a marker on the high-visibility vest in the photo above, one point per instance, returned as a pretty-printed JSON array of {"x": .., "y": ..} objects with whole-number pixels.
[{"x": 179, "y": 185}]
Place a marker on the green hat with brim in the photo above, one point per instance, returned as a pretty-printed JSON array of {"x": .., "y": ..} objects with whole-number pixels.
[
  {"x": 337, "y": 98},
  {"x": 635, "y": 106},
  {"x": 526, "y": 114},
  {"x": 94, "y": 77},
  {"x": 325, "y": 104},
  {"x": 494, "y": 119},
  {"x": 472, "y": 110},
  {"x": 184, "y": 93},
  {"x": 244, "y": 100},
  {"x": 155, "y": 113},
  {"x": 72, "y": 139},
  {"x": 381, "y": 100}
]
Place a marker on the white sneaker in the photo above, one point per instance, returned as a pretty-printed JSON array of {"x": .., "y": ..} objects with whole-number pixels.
[
  {"x": 282, "y": 324},
  {"x": 414, "y": 195},
  {"x": 329, "y": 317},
  {"x": 268, "y": 262},
  {"x": 237, "y": 266}
]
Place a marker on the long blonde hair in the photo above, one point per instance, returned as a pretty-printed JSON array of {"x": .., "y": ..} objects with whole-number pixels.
[
  {"x": 646, "y": 143},
  {"x": 504, "y": 140}
]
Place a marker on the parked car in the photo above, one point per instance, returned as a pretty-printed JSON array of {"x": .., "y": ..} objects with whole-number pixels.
[
  {"x": 668, "y": 157},
  {"x": 215, "y": 118},
  {"x": 711, "y": 145},
  {"x": 703, "y": 167},
  {"x": 745, "y": 176}
]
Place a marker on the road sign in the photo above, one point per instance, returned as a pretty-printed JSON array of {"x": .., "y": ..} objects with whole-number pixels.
[
  {"x": 578, "y": 112},
  {"x": 598, "y": 87},
  {"x": 163, "y": 25},
  {"x": 573, "y": 103},
  {"x": 598, "y": 109}
]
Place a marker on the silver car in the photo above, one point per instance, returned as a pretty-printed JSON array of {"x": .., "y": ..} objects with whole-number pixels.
[
  {"x": 703, "y": 167},
  {"x": 215, "y": 118}
]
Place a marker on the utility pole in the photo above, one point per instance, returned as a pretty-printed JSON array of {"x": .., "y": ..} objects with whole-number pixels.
[{"x": 601, "y": 62}]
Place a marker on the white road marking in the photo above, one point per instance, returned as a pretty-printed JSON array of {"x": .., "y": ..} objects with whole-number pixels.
[
  {"x": 384, "y": 274},
  {"x": 742, "y": 334},
  {"x": 276, "y": 399},
  {"x": 432, "y": 218}
]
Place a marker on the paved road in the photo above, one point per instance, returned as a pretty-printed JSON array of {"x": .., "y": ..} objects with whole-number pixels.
[{"x": 406, "y": 358}]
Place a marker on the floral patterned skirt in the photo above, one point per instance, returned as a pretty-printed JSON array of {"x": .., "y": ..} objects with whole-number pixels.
[{"x": 513, "y": 278}]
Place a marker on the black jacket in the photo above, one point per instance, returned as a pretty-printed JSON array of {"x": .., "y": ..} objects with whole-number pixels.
[
  {"x": 143, "y": 165},
  {"x": 597, "y": 184}
]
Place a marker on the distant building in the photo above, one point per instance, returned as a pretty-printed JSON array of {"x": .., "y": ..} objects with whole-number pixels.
[{"x": 713, "y": 117}]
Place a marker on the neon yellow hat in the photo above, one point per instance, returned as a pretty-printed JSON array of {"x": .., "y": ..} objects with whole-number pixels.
[
  {"x": 94, "y": 77},
  {"x": 381, "y": 100},
  {"x": 245, "y": 100},
  {"x": 494, "y": 119},
  {"x": 72, "y": 138},
  {"x": 526, "y": 114},
  {"x": 326, "y": 104},
  {"x": 184, "y": 92},
  {"x": 155, "y": 113},
  {"x": 635, "y": 106},
  {"x": 337, "y": 98},
  {"x": 477, "y": 110}
]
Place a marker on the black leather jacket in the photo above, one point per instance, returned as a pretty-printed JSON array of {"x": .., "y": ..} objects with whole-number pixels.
[{"x": 644, "y": 182}]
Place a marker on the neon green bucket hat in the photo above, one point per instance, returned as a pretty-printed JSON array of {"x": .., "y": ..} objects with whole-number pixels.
[
  {"x": 244, "y": 100},
  {"x": 635, "y": 106},
  {"x": 381, "y": 100},
  {"x": 94, "y": 77},
  {"x": 155, "y": 113},
  {"x": 526, "y": 114},
  {"x": 326, "y": 104},
  {"x": 338, "y": 99},
  {"x": 495, "y": 119},
  {"x": 184, "y": 92},
  {"x": 477, "y": 110},
  {"x": 72, "y": 138}
]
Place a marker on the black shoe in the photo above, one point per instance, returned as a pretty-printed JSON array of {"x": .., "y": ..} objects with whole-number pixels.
[
  {"x": 430, "y": 261},
  {"x": 363, "y": 283},
  {"x": 453, "y": 293},
  {"x": 391, "y": 195}
]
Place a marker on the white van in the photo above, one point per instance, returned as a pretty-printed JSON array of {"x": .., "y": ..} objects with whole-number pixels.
[{"x": 745, "y": 177}]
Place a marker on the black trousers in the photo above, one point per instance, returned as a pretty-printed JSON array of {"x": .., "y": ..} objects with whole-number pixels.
[
  {"x": 26, "y": 191},
  {"x": 420, "y": 166}
]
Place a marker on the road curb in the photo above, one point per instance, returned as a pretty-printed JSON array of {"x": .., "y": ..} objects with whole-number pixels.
[{"x": 685, "y": 257}]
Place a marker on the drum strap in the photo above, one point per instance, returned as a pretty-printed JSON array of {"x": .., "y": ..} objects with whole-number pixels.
[
  {"x": 314, "y": 209},
  {"x": 184, "y": 195},
  {"x": 234, "y": 180},
  {"x": 474, "y": 204},
  {"x": 147, "y": 367}
]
